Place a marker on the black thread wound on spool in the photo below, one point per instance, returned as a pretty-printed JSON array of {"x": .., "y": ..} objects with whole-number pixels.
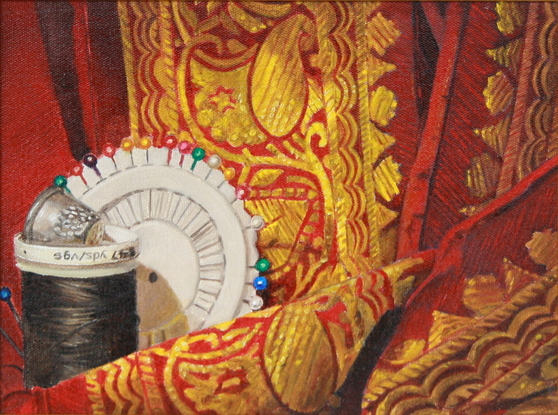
[{"x": 71, "y": 325}]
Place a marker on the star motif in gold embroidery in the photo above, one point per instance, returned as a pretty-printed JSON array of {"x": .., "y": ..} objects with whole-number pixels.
[{"x": 223, "y": 99}]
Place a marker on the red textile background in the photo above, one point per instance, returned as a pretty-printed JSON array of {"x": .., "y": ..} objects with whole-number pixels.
[
  {"x": 34, "y": 143},
  {"x": 34, "y": 149}
]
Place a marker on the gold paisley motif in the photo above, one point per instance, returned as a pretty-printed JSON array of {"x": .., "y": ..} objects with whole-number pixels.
[
  {"x": 223, "y": 87},
  {"x": 296, "y": 350},
  {"x": 314, "y": 342},
  {"x": 256, "y": 363},
  {"x": 278, "y": 85}
]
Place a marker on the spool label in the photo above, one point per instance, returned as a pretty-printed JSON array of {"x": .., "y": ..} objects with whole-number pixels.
[
  {"x": 118, "y": 252},
  {"x": 95, "y": 256}
]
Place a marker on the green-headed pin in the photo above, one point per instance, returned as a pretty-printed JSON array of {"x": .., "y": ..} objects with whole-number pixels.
[
  {"x": 262, "y": 265},
  {"x": 61, "y": 181},
  {"x": 197, "y": 154}
]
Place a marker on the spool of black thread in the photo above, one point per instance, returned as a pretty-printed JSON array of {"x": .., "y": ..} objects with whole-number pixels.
[
  {"x": 78, "y": 288},
  {"x": 71, "y": 325}
]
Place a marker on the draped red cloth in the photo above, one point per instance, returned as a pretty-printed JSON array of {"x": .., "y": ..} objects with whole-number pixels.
[{"x": 431, "y": 216}]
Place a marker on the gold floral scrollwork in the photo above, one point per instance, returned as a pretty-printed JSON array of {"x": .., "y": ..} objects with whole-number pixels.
[
  {"x": 498, "y": 366},
  {"x": 294, "y": 107},
  {"x": 502, "y": 357},
  {"x": 218, "y": 371},
  {"x": 255, "y": 363},
  {"x": 314, "y": 342},
  {"x": 222, "y": 103},
  {"x": 117, "y": 384}
]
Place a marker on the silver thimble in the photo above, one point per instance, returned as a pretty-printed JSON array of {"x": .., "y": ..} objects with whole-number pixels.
[{"x": 58, "y": 218}]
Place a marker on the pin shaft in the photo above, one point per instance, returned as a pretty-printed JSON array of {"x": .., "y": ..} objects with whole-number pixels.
[{"x": 10, "y": 340}]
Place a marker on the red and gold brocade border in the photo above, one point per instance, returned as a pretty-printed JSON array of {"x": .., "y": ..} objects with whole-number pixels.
[
  {"x": 285, "y": 358},
  {"x": 522, "y": 97},
  {"x": 288, "y": 96}
]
